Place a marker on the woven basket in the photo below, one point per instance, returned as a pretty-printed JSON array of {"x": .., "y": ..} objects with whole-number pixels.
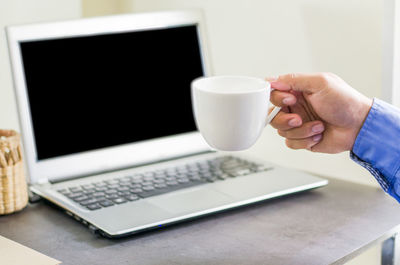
[{"x": 13, "y": 187}]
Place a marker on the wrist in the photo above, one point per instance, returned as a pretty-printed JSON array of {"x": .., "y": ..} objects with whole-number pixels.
[{"x": 364, "y": 108}]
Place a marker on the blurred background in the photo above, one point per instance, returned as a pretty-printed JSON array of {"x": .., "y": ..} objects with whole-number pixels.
[{"x": 251, "y": 37}]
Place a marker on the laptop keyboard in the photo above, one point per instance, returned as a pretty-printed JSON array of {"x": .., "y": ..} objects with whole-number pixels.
[{"x": 137, "y": 186}]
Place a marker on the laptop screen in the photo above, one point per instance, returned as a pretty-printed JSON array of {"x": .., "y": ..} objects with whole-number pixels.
[{"x": 97, "y": 91}]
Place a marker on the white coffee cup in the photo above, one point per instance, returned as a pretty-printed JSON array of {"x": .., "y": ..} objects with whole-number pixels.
[{"x": 231, "y": 111}]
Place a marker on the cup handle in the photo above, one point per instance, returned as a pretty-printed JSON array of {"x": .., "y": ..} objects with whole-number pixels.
[{"x": 272, "y": 115}]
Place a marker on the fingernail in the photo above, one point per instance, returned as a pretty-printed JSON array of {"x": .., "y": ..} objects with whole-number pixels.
[
  {"x": 317, "y": 128},
  {"x": 280, "y": 86},
  {"x": 271, "y": 79},
  {"x": 317, "y": 138},
  {"x": 294, "y": 122},
  {"x": 288, "y": 101}
]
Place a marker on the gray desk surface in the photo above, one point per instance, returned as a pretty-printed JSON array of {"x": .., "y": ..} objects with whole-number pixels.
[{"x": 323, "y": 226}]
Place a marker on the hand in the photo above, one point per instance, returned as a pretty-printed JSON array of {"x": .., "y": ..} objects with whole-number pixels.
[{"x": 320, "y": 112}]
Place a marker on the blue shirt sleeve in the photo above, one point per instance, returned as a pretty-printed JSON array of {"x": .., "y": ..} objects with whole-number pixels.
[{"x": 377, "y": 146}]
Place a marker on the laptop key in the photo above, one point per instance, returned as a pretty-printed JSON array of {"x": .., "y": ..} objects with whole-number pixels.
[
  {"x": 81, "y": 198},
  {"x": 88, "y": 187},
  {"x": 195, "y": 178},
  {"x": 112, "y": 196},
  {"x": 154, "y": 192},
  {"x": 183, "y": 180},
  {"x": 106, "y": 203},
  {"x": 240, "y": 172},
  {"x": 150, "y": 179},
  {"x": 112, "y": 191},
  {"x": 113, "y": 186},
  {"x": 123, "y": 189},
  {"x": 101, "y": 188},
  {"x": 182, "y": 170},
  {"x": 136, "y": 181},
  {"x": 132, "y": 197},
  {"x": 136, "y": 191},
  {"x": 145, "y": 183},
  {"x": 222, "y": 176},
  {"x": 98, "y": 194},
  {"x": 171, "y": 171},
  {"x": 125, "y": 179},
  {"x": 88, "y": 202},
  {"x": 147, "y": 188},
  {"x": 99, "y": 199},
  {"x": 74, "y": 195},
  {"x": 158, "y": 181},
  {"x": 160, "y": 176},
  {"x": 193, "y": 169},
  {"x": 119, "y": 200},
  {"x": 172, "y": 183},
  {"x": 124, "y": 193},
  {"x": 75, "y": 189},
  {"x": 63, "y": 191},
  {"x": 211, "y": 179},
  {"x": 93, "y": 206},
  {"x": 100, "y": 184},
  {"x": 160, "y": 185},
  {"x": 89, "y": 191}
]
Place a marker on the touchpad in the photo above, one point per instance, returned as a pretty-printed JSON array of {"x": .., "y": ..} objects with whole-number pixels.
[{"x": 188, "y": 201}]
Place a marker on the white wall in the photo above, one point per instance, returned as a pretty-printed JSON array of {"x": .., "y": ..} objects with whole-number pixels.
[
  {"x": 14, "y": 12},
  {"x": 391, "y": 54},
  {"x": 271, "y": 37},
  {"x": 91, "y": 8}
]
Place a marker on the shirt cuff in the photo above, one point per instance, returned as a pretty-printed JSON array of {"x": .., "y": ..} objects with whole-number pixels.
[
  {"x": 378, "y": 140},
  {"x": 377, "y": 175},
  {"x": 392, "y": 189},
  {"x": 377, "y": 146}
]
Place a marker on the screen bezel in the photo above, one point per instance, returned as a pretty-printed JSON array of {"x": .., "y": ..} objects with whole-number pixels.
[{"x": 110, "y": 158}]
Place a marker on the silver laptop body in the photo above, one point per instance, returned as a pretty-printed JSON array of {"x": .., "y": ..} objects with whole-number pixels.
[{"x": 108, "y": 132}]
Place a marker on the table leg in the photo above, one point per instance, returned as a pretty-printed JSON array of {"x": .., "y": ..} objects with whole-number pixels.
[{"x": 390, "y": 254}]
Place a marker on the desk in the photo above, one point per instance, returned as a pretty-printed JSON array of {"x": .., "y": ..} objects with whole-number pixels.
[{"x": 329, "y": 225}]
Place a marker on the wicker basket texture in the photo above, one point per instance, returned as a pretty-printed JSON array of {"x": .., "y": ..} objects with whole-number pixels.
[{"x": 13, "y": 187}]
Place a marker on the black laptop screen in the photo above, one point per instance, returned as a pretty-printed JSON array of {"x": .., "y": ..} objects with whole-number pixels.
[{"x": 93, "y": 92}]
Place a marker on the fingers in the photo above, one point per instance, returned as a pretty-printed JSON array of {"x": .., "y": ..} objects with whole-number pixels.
[
  {"x": 305, "y": 136},
  {"x": 305, "y": 143},
  {"x": 290, "y": 125},
  {"x": 298, "y": 135},
  {"x": 282, "y": 99},
  {"x": 308, "y": 83},
  {"x": 308, "y": 129},
  {"x": 286, "y": 121}
]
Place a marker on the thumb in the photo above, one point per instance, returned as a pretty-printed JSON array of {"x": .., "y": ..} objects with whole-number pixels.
[{"x": 308, "y": 83}]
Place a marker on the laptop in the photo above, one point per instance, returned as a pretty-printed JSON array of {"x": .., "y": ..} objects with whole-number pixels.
[{"x": 108, "y": 130}]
